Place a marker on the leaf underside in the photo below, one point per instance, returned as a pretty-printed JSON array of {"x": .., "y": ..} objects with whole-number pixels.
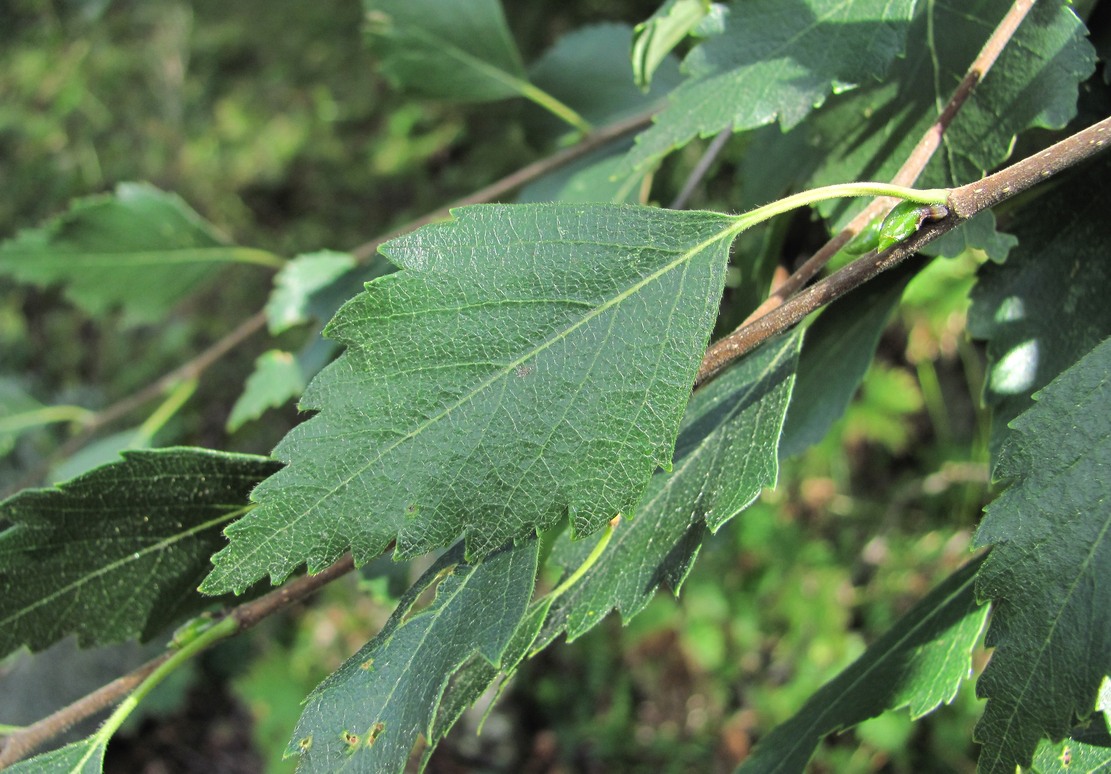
[
  {"x": 368, "y": 714},
  {"x": 725, "y": 455},
  {"x": 118, "y": 553},
  {"x": 1049, "y": 572},
  {"x": 530, "y": 362}
]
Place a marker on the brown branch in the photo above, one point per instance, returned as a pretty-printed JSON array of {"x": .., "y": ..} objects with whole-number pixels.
[
  {"x": 963, "y": 202},
  {"x": 26, "y": 740},
  {"x": 915, "y": 163},
  {"x": 515, "y": 180}
]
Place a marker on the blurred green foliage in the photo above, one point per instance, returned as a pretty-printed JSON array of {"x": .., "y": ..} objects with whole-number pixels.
[{"x": 269, "y": 119}]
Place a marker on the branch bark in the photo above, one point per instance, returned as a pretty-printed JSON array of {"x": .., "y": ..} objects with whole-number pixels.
[
  {"x": 25, "y": 741},
  {"x": 963, "y": 202},
  {"x": 915, "y": 163}
]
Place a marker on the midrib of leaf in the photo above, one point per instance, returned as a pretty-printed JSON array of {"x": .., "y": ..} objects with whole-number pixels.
[
  {"x": 1017, "y": 705},
  {"x": 520, "y": 85},
  {"x": 162, "y": 257},
  {"x": 728, "y": 232},
  {"x": 895, "y": 647},
  {"x": 132, "y": 557}
]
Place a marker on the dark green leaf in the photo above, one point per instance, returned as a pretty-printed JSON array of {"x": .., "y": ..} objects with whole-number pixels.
[
  {"x": 869, "y": 134},
  {"x": 776, "y": 59},
  {"x": 726, "y": 453},
  {"x": 499, "y": 382},
  {"x": 291, "y": 302},
  {"x": 277, "y": 379},
  {"x": 589, "y": 70},
  {"x": 448, "y": 49},
  {"x": 84, "y": 757},
  {"x": 139, "y": 249},
  {"x": 1047, "y": 304},
  {"x": 919, "y": 664},
  {"x": 118, "y": 552},
  {"x": 1049, "y": 572},
  {"x": 838, "y": 348},
  {"x": 369, "y": 713}
]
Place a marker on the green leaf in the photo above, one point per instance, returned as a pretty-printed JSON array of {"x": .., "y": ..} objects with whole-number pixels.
[
  {"x": 139, "y": 249},
  {"x": 589, "y": 70},
  {"x": 726, "y": 453},
  {"x": 19, "y": 412},
  {"x": 369, "y": 713},
  {"x": 1034, "y": 83},
  {"x": 448, "y": 49},
  {"x": 118, "y": 552},
  {"x": 919, "y": 663},
  {"x": 1089, "y": 749},
  {"x": 291, "y": 302},
  {"x": 83, "y": 757},
  {"x": 776, "y": 59},
  {"x": 836, "y": 353},
  {"x": 277, "y": 379},
  {"x": 503, "y": 380},
  {"x": 1047, "y": 304},
  {"x": 1049, "y": 572},
  {"x": 591, "y": 180},
  {"x": 656, "y": 37}
]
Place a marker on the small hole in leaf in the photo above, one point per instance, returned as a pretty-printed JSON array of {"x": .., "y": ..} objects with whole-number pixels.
[
  {"x": 374, "y": 732},
  {"x": 305, "y": 744},
  {"x": 368, "y": 665}
]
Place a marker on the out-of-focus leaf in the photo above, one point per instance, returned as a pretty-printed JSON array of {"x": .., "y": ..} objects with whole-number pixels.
[
  {"x": 1049, "y": 572},
  {"x": 118, "y": 552},
  {"x": 726, "y": 453},
  {"x": 836, "y": 354},
  {"x": 298, "y": 281},
  {"x": 277, "y": 378},
  {"x": 919, "y": 664},
  {"x": 139, "y": 249},
  {"x": 589, "y": 70},
  {"x": 657, "y": 36},
  {"x": 503, "y": 380},
  {"x": 369, "y": 713},
  {"x": 592, "y": 180},
  {"x": 19, "y": 412},
  {"x": 776, "y": 59},
  {"x": 84, "y": 757},
  {"x": 102, "y": 451},
  {"x": 449, "y": 49},
  {"x": 1047, "y": 304}
]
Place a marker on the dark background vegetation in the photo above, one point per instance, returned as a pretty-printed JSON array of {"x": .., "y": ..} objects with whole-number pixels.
[{"x": 267, "y": 116}]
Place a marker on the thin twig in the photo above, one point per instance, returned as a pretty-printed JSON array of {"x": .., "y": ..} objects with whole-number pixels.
[
  {"x": 963, "y": 203},
  {"x": 700, "y": 169},
  {"x": 915, "y": 163},
  {"x": 23, "y": 742},
  {"x": 515, "y": 180}
]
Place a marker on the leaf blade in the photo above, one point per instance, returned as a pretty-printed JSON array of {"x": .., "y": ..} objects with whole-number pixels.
[
  {"x": 120, "y": 549},
  {"x": 368, "y": 714},
  {"x": 1049, "y": 573},
  {"x": 493, "y": 386},
  {"x": 139, "y": 249}
]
